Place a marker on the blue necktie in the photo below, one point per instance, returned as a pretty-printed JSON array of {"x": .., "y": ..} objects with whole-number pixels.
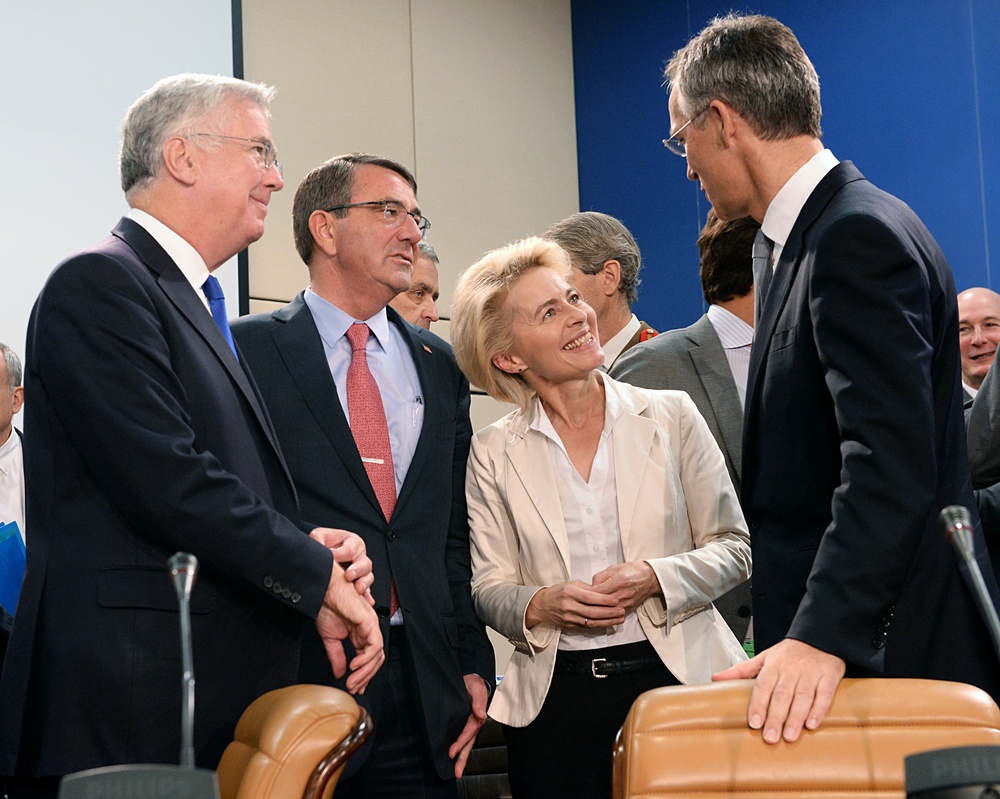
[{"x": 217, "y": 305}]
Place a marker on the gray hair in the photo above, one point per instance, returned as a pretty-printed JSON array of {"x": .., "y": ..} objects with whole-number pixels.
[
  {"x": 171, "y": 107},
  {"x": 424, "y": 250},
  {"x": 330, "y": 184},
  {"x": 481, "y": 321},
  {"x": 755, "y": 65},
  {"x": 13, "y": 366},
  {"x": 592, "y": 239}
]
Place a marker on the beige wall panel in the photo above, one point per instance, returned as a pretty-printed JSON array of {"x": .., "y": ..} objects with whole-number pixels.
[
  {"x": 343, "y": 74},
  {"x": 486, "y": 410},
  {"x": 264, "y": 306},
  {"x": 495, "y": 124}
]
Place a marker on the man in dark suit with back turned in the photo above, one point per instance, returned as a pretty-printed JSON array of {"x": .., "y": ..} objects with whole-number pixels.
[
  {"x": 148, "y": 436},
  {"x": 337, "y": 366},
  {"x": 853, "y": 435},
  {"x": 709, "y": 360}
]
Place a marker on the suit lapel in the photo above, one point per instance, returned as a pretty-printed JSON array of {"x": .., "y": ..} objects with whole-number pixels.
[
  {"x": 713, "y": 370},
  {"x": 633, "y": 440},
  {"x": 787, "y": 269},
  {"x": 176, "y": 288},
  {"x": 428, "y": 364},
  {"x": 528, "y": 454},
  {"x": 301, "y": 348}
]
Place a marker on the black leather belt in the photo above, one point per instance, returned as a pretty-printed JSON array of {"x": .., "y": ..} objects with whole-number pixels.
[{"x": 600, "y": 668}]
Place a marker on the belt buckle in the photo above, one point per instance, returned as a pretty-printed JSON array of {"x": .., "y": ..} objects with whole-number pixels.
[{"x": 593, "y": 668}]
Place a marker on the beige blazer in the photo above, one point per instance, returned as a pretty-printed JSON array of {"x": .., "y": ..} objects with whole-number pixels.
[{"x": 677, "y": 510}]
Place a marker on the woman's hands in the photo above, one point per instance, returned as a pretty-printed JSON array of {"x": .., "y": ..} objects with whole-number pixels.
[
  {"x": 573, "y": 605},
  {"x": 576, "y": 605},
  {"x": 630, "y": 583}
]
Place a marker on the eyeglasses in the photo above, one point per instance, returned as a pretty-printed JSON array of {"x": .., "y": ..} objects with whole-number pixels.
[
  {"x": 395, "y": 214},
  {"x": 675, "y": 145},
  {"x": 265, "y": 151}
]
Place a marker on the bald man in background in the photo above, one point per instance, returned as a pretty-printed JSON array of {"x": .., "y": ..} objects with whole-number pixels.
[{"x": 978, "y": 335}]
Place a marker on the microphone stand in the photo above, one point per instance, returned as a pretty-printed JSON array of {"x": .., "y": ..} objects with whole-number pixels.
[
  {"x": 155, "y": 780},
  {"x": 961, "y": 771},
  {"x": 183, "y": 570},
  {"x": 958, "y": 527}
]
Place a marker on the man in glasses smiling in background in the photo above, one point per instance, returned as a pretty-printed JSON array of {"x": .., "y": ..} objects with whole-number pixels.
[{"x": 373, "y": 415}]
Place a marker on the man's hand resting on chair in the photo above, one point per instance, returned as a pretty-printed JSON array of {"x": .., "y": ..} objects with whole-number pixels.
[{"x": 795, "y": 685}]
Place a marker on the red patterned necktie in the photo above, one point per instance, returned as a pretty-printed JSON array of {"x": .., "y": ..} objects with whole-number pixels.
[{"x": 370, "y": 429}]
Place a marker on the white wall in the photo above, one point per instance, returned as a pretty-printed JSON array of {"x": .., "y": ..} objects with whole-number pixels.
[{"x": 71, "y": 70}]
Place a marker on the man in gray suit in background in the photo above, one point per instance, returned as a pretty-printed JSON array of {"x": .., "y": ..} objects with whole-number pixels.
[{"x": 710, "y": 360}]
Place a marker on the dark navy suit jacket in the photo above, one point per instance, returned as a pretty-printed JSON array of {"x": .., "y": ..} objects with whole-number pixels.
[
  {"x": 424, "y": 546},
  {"x": 147, "y": 437},
  {"x": 854, "y": 442}
]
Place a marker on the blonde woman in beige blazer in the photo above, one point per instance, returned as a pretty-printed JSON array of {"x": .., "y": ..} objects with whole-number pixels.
[{"x": 603, "y": 523}]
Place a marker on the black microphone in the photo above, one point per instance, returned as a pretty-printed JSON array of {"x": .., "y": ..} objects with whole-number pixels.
[
  {"x": 958, "y": 527},
  {"x": 183, "y": 571},
  {"x": 155, "y": 781}
]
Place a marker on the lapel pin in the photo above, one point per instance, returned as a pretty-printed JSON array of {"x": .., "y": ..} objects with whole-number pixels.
[{"x": 427, "y": 349}]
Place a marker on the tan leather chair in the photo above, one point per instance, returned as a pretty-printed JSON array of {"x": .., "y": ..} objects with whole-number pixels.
[
  {"x": 292, "y": 742},
  {"x": 693, "y": 741}
]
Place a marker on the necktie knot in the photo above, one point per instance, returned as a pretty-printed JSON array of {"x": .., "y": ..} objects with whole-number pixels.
[
  {"x": 358, "y": 334},
  {"x": 213, "y": 289},
  {"x": 762, "y": 246}
]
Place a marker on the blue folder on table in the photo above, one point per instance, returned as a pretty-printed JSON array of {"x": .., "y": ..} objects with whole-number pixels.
[{"x": 12, "y": 560}]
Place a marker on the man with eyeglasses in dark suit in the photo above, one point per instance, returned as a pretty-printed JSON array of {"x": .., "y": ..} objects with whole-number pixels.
[
  {"x": 852, "y": 440},
  {"x": 373, "y": 416}
]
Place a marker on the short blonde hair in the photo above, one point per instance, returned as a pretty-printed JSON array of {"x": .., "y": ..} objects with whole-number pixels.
[{"x": 481, "y": 322}]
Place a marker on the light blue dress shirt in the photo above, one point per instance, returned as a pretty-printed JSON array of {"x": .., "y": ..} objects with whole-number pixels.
[{"x": 391, "y": 364}]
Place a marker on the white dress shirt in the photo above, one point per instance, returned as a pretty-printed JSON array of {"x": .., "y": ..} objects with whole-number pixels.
[
  {"x": 191, "y": 264},
  {"x": 590, "y": 509},
  {"x": 614, "y": 345},
  {"x": 787, "y": 204},
  {"x": 12, "y": 482},
  {"x": 736, "y": 336}
]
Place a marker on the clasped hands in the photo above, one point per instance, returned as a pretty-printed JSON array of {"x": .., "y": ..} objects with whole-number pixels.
[
  {"x": 347, "y": 609},
  {"x": 603, "y": 602},
  {"x": 795, "y": 682}
]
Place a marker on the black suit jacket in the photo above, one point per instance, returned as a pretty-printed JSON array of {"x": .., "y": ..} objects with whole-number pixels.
[
  {"x": 854, "y": 442},
  {"x": 147, "y": 437},
  {"x": 425, "y": 546}
]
